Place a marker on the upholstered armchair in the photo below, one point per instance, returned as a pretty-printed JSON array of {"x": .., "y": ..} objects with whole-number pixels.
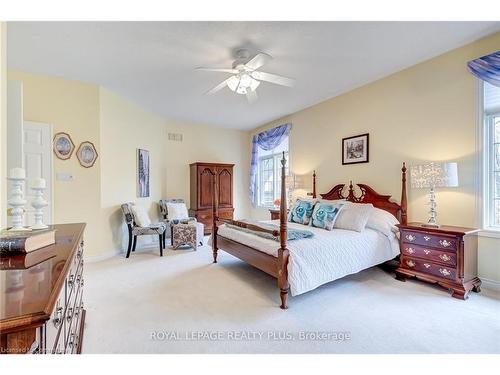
[
  {"x": 135, "y": 230},
  {"x": 179, "y": 217}
]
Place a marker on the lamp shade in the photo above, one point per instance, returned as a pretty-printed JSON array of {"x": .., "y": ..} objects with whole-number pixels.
[{"x": 434, "y": 175}]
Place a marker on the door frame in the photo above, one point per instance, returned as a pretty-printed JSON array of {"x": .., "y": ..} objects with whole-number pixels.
[{"x": 51, "y": 160}]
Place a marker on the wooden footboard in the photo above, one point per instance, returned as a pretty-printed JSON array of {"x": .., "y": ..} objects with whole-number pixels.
[{"x": 274, "y": 266}]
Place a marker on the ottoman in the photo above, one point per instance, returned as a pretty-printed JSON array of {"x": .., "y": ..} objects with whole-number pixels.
[{"x": 190, "y": 234}]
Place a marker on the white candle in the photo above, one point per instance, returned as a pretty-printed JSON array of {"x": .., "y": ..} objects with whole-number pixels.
[
  {"x": 17, "y": 173},
  {"x": 38, "y": 183}
]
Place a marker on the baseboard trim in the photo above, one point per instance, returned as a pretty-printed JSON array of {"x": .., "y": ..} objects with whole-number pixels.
[
  {"x": 490, "y": 284},
  {"x": 112, "y": 253},
  {"x": 103, "y": 256}
]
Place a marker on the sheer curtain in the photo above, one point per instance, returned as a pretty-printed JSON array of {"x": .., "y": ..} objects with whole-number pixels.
[
  {"x": 487, "y": 68},
  {"x": 266, "y": 140}
]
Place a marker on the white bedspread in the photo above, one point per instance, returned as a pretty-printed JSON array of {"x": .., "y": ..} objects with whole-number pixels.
[{"x": 327, "y": 256}]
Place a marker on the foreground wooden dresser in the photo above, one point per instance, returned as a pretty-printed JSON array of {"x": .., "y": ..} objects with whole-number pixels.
[{"x": 41, "y": 307}]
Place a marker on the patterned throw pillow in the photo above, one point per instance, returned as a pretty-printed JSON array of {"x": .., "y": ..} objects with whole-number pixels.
[
  {"x": 325, "y": 214},
  {"x": 301, "y": 212}
]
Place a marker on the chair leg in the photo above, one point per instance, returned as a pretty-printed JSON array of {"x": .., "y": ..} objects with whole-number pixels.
[
  {"x": 135, "y": 243},
  {"x": 171, "y": 236},
  {"x": 161, "y": 244},
  {"x": 129, "y": 243}
]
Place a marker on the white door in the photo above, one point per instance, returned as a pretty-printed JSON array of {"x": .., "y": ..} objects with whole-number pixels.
[{"x": 37, "y": 151}]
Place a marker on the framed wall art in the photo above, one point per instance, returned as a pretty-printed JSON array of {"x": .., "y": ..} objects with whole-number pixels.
[
  {"x": 86, "y": 154},
  {"x": 142, "y": 173},
  {"x": 63, "y": 146},
  {"x": 355, "y": 149}
]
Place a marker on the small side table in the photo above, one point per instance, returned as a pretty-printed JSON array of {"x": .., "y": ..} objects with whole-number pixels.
[
  {"x": 275, "y": 213},
  {"x": 446, "y": 256}
]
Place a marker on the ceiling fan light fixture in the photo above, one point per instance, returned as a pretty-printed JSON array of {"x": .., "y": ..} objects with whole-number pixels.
[{"x": 240, "y": 84}]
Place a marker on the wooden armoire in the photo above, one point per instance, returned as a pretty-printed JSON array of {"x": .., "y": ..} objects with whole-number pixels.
[{"x": 201, "y": 176}]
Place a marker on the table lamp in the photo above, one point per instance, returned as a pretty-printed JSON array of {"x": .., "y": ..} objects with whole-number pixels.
[{"x": 432, "y": 176}]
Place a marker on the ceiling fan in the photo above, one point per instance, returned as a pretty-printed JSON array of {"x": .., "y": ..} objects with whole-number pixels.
[{"x": 246, "y": 78}]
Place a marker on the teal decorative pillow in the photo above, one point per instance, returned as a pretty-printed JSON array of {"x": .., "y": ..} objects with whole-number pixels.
[
  {"x": 325, "y": 214},
  {"x": 301, "y": 212}
]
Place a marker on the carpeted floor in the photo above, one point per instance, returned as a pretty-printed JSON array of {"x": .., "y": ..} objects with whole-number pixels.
[{"x": 182, "y": 303}]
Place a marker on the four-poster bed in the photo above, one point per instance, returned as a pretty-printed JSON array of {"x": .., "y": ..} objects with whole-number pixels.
[{"x": 276, "y": 264}]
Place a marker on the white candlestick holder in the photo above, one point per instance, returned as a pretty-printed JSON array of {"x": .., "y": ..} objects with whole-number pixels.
[
  {"x": 38, "y": 204},
  {"x": 17, "y": 202}
]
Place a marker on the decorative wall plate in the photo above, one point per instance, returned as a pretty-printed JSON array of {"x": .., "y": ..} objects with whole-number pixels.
[
  {"x": 63, "y": 146},
  {"x": 87, "y": 154}
]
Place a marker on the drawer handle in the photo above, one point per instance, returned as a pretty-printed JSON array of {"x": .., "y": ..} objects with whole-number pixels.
[
  {"x": 73, "y": 338},
  {"x": 444, "y": 272},
  {"x": 445, "y": 257},
  {"x": 70, "y": 313},
  {"x": 427, "y": 252},
  {"x": 410, "y": 237},
  {"x": 410, "y": 250},
  {"x": 71, "y": 280},
  {"x": 410, "y": 263},
  {"x": 427, "y": 265},
  {"x": 78, "y": 280},
  {"x": 445, "y": 243},
  {"x": 427, "y": 238},
  {"x": 58, "y": 319}
]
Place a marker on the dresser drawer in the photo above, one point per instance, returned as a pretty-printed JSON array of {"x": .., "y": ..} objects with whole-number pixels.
[
  {"x": 430, "y": 240},
  {"x": 73, "y": 323},
  {"x": 428, "y": 267},
  {"x": 226, "y": 214},
  {"x": 54, "y": 327},
  {"x": 431, "y": 254}
]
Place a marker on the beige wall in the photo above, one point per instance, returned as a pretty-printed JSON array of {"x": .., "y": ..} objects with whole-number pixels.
[
  {"x": 204, "y": 143},
  {"x": 426, "y": 112},
  {"x": 118, "y": 127},
  {"x": 71, "y": 107},
  {"x": 126, "y": 127},
  {"x": 3, "y": 124}
]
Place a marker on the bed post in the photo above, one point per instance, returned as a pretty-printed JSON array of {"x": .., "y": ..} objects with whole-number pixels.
[
  {"x": 215, "y": 214},
  {"x": 404, "y": 203},
  {"x": 283, "y": 251},
  {"x": 314, "y": 184}
]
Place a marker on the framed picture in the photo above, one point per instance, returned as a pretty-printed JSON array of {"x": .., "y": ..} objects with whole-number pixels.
[
  {"x": 355, "y": 149},
  {"x": 86, "y": 154},
  {"x": 142, "y": 173},
  {"x": 63, "y": 146}
]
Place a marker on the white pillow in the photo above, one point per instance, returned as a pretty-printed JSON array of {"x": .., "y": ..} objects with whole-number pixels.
[
  {"x": 354, "y": 216},
  {"x": 177, "y": 211},
  {"x": 382, "y": 221},
  {"x": 141, "y": 217}
]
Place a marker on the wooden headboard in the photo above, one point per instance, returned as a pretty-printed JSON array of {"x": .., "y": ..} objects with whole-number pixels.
[{"x": 369, "y": 195}]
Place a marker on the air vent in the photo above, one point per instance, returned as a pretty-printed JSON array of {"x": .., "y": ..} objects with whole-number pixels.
[{"x": 177, "y": 137}]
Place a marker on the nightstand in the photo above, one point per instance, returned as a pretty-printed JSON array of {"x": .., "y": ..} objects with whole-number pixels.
[
  {"x": 275, "y": 213},
  {"x": 446, "y": 256}
]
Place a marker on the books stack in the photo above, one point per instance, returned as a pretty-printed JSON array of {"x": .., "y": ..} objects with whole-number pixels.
[{"x": 20, "y": 250}]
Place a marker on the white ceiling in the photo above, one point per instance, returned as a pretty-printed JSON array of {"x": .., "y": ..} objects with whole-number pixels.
[{"x": 152, "y": 63}]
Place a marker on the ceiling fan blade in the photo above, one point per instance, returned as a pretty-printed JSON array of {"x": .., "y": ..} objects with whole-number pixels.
[
  {"x": 273, "y": 78},
  {"x": 258, "y": 60},
  {"x": 252, "y": 96},
  {"x": 219, "y": 87},
  {"x": 233, "y": 71}
]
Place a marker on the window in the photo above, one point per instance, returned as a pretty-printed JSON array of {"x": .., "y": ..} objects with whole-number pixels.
[
  {"x": 491, "y": 157},
  {"x": 269, "y": 174},
  {"x": 493, "y": 171}
]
